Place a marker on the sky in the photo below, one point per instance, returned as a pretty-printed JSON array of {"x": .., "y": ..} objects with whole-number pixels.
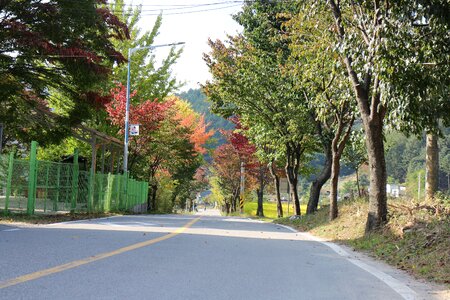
[{"x": 192, "y": 22}]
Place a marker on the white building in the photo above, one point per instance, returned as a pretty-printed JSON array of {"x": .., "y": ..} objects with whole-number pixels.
[{"x": 395, "y": 190}]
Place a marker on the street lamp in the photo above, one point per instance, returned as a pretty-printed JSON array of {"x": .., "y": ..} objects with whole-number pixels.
[{"x": 127, "y": 112}]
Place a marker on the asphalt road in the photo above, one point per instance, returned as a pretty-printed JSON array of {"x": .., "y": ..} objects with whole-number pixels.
[{"x": 182, "y": 257}]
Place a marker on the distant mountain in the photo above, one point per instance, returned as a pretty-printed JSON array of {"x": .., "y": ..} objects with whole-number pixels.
[{"x": 200, "y": 104}]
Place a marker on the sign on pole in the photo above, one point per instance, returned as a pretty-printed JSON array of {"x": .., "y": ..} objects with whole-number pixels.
[{"x": 134, "y": 129}]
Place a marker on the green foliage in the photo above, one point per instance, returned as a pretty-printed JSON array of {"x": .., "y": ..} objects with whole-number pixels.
[
  {"x": 165, "y": 193},
  {"x": 355, "y": 154},
  {"x": 66, "y": 148},
  {"x": 51, "y": 46},
  {"x": 217, "y": 194},
  {"x": 250, "y": 80},
  {"x": 147, "y": 78},
  {"x": 412, "y": 184},
  {"x": 349, "y": 187}
]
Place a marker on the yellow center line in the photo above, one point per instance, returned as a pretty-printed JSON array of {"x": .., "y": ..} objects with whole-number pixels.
[{"x": 87, "y": 260}]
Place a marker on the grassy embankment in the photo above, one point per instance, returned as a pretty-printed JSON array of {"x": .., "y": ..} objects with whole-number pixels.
[{"x": 416, "y": 237}]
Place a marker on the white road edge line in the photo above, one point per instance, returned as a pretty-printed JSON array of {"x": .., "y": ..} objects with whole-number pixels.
[
  {"x": 13, "y": 229},
  {"x": 399, "y": 287}
]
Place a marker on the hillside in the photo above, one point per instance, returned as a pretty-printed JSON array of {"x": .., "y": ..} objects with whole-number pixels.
[{"x": 200, "y": 104}]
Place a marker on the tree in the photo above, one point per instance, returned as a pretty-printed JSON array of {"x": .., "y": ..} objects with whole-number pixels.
[
  {"x": 226, "y": 168},
  {"x": 147, "y": 78},
  {"x": 325, "y": 87},
  {"x": 421, "y": 89},
  {"x": 171, "y": 140},
  {"x": 200, "y": 104},
  {"x": 51, "y": 45},
  {"x": 250, "y": 79},
  {"x": 359, "y": 33},
  {"x": 250, "y": 160}
]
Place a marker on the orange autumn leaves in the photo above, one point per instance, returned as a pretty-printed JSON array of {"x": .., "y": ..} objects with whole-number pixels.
[{"x": 150, "y": 115}]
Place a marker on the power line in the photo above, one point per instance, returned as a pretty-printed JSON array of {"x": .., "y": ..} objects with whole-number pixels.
[
  {"x": 182, "y": 5},
  {"x": 190, "y": 12},
  {"x": 156, "y": 9}
]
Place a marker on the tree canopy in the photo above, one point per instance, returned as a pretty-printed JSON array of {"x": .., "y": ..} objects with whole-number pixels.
[{"x": 50, "y": 46}]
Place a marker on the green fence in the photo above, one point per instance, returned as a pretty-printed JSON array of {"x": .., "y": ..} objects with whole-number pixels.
[{"x": 37, "y": 186}]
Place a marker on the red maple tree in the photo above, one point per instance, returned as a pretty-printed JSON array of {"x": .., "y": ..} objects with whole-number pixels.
[{"x": 148, "y": 114}]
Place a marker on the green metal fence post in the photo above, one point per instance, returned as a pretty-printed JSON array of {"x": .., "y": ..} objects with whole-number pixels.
[
  {"x": 143, "y": 193},
  {"x": 32, "y": 178},
  {"x": 107, "y": 206},
  {"x": 101, "y": 188},
  {"x": 46, "y": 186},
  {"x": 9, "y": 181},
  {"x": 75, "y": 172},
  {"x": 131, "y": 194},
  {"x": 146, "y": 195},
  {"x": 119, "y": 190},
  {"x": 58, "y": 178}
]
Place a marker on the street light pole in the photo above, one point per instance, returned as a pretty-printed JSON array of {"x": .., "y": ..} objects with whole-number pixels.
[{"x": 127, "y": 111}]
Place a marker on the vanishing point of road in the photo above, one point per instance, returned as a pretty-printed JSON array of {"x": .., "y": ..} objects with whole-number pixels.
[{"x": 183, "y": 257}]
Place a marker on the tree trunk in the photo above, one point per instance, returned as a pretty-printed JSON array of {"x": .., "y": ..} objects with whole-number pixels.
[
  {"x": 235, "y": 199},
  {"x": 317, "y": 184},
  {"x": 357, "y": 182},
  {"x": 276, "y": 181},
  {"x": 153, "y": 197},
  {"x": 293, "y": 154},
  {"x": 227, "y": 208},
  {"x": 293, "y": 193},
  {"x": 377, "y": 215},
  {"x": 432, "y": 166},
  {"x": 337, "y": 146},
  {"x": 260, "y": 210},
  {"x": 336, "y": 166},
  {"x": 233, "y": 204}
]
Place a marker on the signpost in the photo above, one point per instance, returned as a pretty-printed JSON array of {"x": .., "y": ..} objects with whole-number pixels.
[{"x": 134, "y": 129}]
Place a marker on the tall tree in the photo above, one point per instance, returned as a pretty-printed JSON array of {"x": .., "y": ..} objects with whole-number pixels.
[
  {"x": 150, "y": 79},
  {"x": 171, "y": 140},
  {"x": 251, "y": 79},
  {"x": 226, "y": 170},
  {"x": 421, "y": 74},
  {"x": 378, "y": 41},
  {"x": 325, "y": 86},
  {"x": 253, "y": 165},
  {"x": 61, "y": 45}
]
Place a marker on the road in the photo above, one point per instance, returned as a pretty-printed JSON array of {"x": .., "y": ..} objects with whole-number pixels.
[{"x": 183, "y": 257}]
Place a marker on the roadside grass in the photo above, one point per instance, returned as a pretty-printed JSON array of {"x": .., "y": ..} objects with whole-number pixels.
[
  {"x": 13, "y": 217},
  {"x": 269, "y": 209},
  {"x": 416, "y": 237}
]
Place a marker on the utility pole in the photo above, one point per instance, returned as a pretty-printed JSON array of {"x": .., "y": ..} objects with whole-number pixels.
[
  {"x": 127, "y": 112},
  {"x": 241, "y": 194}
]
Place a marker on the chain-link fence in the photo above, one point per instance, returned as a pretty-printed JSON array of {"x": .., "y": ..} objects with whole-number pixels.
[{"x": 37, "y": 186}]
